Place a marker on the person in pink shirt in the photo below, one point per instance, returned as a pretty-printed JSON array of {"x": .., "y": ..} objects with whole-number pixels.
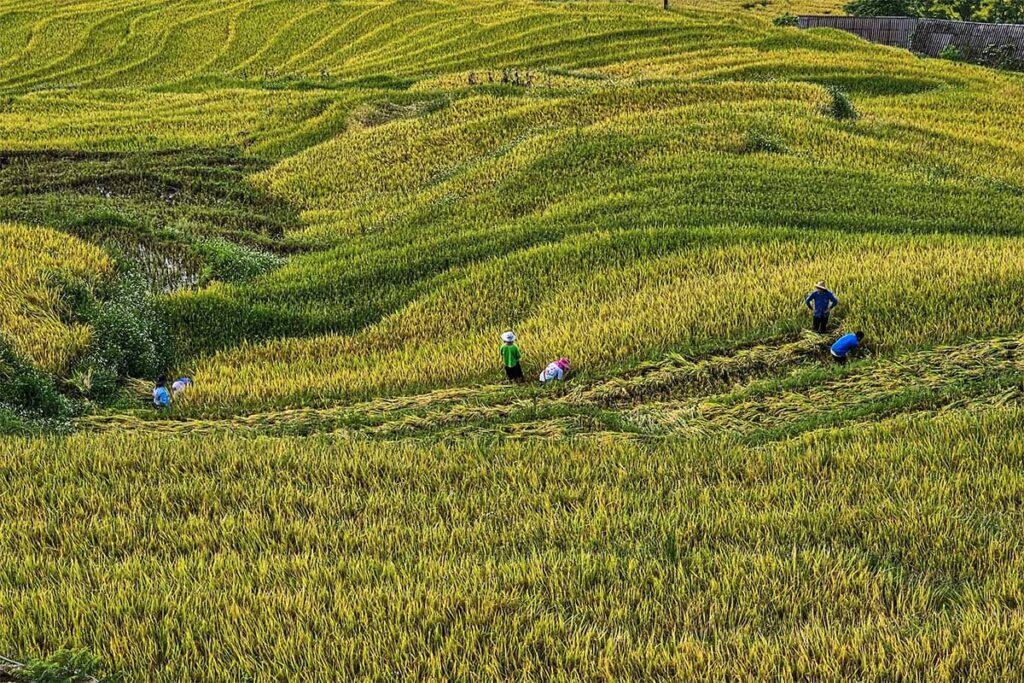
[{"x": 555, "y": 372}]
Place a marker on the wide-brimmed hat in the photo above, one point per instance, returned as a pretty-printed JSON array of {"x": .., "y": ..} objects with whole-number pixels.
[
  {"x": 563, "y": 363},
  {"x": 508, "y": 337},
  {"x": 820, "y": 285}
]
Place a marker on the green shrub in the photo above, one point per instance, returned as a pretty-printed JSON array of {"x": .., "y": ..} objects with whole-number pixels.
[
  {"x": 130, "y": 339},
  {"x": 787, "y": 20},
  {"x": 883, "y": 8},
  {"x": 66, "y": 666},
  {"x": 230, "y": 262},
  {"x": 95, "y": 377},
  {"x": 952, "y": 53},
  {"x": 1000, "y": 56},
  {"x": 26, "y": 391},
  {"x": 759, "y": 141},
  {"x": 1007, "y": 12},
  {"x": 840, "y": 107}
]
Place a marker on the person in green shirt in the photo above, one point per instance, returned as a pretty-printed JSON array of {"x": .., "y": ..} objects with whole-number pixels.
[{"x": 510, "y": 356}]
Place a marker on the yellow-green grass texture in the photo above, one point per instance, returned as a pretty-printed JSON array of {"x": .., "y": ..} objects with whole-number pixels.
[
  {"x": 259, "y": 122},
  {"x": 654, "y": 199},
  {"x": 599, "y": 300},
  {"x": 886, "y": 552},
  {"x": 766, "y": 392},
  {"x": 33, "y": 263},
  {"x": 157, "y": 42},
  {"x": 585, "y": 194}
]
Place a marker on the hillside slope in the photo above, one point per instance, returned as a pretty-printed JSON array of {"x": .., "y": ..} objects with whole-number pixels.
[{"x": 327, "y": 212}]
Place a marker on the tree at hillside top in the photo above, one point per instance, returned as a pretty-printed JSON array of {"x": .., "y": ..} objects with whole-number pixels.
[
  {"x": 883, "y": 8},
  {"x": 966, "y": 10},
  {"x": 1007, "y": 12}
]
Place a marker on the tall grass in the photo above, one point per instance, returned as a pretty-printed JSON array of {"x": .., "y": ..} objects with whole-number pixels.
[
  {"x": 651, "y": 193},
  {"x": 881, "y": 553},
  {"x": 604, "y": 299},
  {"x": 35, "y": 264}
]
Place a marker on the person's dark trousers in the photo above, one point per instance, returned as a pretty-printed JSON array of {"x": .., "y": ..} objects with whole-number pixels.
[
  {"x": 839, "y": 359},
  {"x": 821, "y": 324},
  {"x": 515, "y": 373}
]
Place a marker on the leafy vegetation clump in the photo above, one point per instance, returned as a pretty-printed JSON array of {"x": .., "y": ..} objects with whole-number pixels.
[
  {"x": 953, "y": 54},
  {"x": 994, "y": 11},
  {"x": 840, "y": 107},
  {"x": 65, "y": 666},
  {"x": 29, "y": 398},
  {"x": 130, "y": 339},
  {"x": 759, "y": 141}
]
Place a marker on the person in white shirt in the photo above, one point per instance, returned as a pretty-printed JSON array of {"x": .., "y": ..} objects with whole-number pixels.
[
  {"x": 556, "y": 371},
  {"x": 180, "y": 385}
]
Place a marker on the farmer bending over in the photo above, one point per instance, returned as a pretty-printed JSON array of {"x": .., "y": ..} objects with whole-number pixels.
[
  {"x": 510, "y": 356},
  {"x": 556, "y": 371},
  {"x": 846, "y": 345},
  {"x": 821, "y": 301},
  {"x": 181, "y": 385}
]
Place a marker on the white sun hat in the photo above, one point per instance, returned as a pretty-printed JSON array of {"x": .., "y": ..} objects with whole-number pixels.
[{"x": 508, "y": 337}]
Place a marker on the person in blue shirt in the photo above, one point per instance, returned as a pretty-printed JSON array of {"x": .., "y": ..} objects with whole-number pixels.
[
  {"x": 161, "y": 397},
  {"x": 846, "y": 345},
  {"x": 821, "y": 301}
]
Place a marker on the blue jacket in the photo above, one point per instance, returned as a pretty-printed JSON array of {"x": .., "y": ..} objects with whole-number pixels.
[
  {"x": 845, "y": 344},
  {"x": 161, "y": 397},
  {"x": 823, "y": 300}
]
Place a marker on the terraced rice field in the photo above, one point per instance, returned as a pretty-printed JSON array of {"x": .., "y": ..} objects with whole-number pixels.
[
  {"x": 31, "y": 310},
  {"x": 327, "y": 212}
]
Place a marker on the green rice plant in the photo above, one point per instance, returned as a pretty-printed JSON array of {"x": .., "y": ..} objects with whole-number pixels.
[
  {"x": 882, "y": 552},
  {"x": 596, "y": 300},
  {"x": 33, "y": 312},
  {"x": 841, "y": 108}
]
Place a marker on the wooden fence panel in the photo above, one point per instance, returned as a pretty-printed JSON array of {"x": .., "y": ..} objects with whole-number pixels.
[
  {"x": 925, "y": 36},
  {"x": 894, "y": 31}
]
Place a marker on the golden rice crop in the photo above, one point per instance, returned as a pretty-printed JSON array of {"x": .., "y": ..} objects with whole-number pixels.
[
  {"x": 888, "y": 552},
  {"x": 764, "y": 392},
  {"x": 590, "y": 299},
  {"x": 653, "y": 196},
  {"x": 679, "y": 375},
  {"x": 946, "y": 378},
  {"x": 152, "y": 42},
  {"x": 449, "y": 226},
  {"x": 31, "y": 302},
  {"x": 119, "y": 120}
]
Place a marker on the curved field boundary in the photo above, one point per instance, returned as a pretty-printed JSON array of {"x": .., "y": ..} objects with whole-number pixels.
[{"x": 761, "y": 393}]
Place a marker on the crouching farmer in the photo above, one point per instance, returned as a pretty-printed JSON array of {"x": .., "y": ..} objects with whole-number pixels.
[
  {"x": 555, "y": 372},
  {"x": 181, "y": 385},
  {"x": 846, "y": 345},
  {"x": 161, "y": 397}
]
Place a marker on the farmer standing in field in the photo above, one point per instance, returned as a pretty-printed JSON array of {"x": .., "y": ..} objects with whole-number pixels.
[
  {"x": 821, "y": 301},
  {"x": 510, "y": 356},
  {"x": 846, "y": 345}
]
